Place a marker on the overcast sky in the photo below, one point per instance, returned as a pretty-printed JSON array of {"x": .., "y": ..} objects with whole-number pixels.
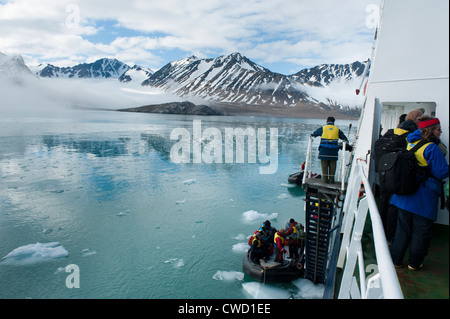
[{"x": 284, "y": 36}]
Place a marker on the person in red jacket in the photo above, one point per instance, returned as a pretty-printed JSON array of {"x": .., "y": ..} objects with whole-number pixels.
[
  {"x": 294, "y": 236},
  {"x": 279, "y": 242}
]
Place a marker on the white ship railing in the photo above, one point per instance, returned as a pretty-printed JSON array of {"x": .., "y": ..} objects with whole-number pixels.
[
  {"x": 383, "y": 281},
  {"x": 308, "y": 164}
]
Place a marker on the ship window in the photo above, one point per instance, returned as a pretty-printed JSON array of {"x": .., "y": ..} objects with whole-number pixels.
[{"x": 392, "y": 111}]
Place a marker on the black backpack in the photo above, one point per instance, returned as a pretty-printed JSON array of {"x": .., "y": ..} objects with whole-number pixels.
[
  {"x": 388, "y": 143},
  {"x": 400, "y": 172}
]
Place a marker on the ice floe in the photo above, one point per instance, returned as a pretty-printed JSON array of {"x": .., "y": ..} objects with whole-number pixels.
[
  {"x": 177, "y": 263},
  {"x": 35, "y": 253},
  {"x": 240, "y": 237},
  {"x": 308, "y": 290},
  {"x": 124, "y": 213},
  {"x": 240, "y": 248},
  {"x": 190, "y": 181},
  {"x": 257, "y": 290},
  {"x": 228, "y": 275},
  {"x": 88, "y": 252},
  {"x": 252, "y": 216},
  {"x": 283, "y": 196},
  {"x": 47, "y": 230}
]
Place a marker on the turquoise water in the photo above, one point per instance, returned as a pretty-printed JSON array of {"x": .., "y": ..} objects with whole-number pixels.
[{"x": 100, "y": 188}]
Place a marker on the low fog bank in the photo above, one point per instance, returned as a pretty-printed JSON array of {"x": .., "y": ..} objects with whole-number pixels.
[{"x": 33, "y": 95}]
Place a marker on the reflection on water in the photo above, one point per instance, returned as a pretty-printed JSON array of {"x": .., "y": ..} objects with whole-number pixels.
[{"x": 106, "y": 184}]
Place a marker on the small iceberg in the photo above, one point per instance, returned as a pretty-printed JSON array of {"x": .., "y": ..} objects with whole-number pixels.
[
  {"x": 283, "y": 196},
  {"x": 308, "y": 290},
  {"x": 124, "y": 213},
  {"x": 87, "y": 252},
  {"x": 190, "y": 181},
  {"x": 240, "y": 237},
  {"x": 288, "y": 185},
  {"x": 257, "y": 290},
  {"x": 35, "y": 253},
  {"x": 252, "y": 216},
  {"x": 240, "y": 248},
  {"x": 46, "y": 230},
  {"x": 228, "y": 275},
  {"x": 177, "y": 263}
]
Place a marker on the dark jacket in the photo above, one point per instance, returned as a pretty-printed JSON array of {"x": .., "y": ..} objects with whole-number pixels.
[
  {"x": 329, "y": 151},
  {"x": 424, "y": 202}
]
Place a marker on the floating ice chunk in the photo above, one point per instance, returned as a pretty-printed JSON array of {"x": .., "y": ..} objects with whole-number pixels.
[
  {"x": 180, "y": 202},
  {"x": 190, "y": 181},
  {"x": 257, "y": 290},
  {"x": 60, "y": 270},
  {"x": 88, "y": 252},
  {"x": 35, "y": 253},
  {"x": 239, "y": 237},
  {"x": 47, "y": 230},
  {"x": 283, "y": 196},
  {"x": 308, "y": 290},
  {"x": 288, "y": 185},
  {"x": 228, "y": 275},
  {"x": 252, "y": 216},
  {"x": 123, "y": 213},
  {"x": 177, "y": 263},
  {"x": 170, "y": 261},
  {"x": 63, "y": 269},
  {"x": 240, "y": 248}
]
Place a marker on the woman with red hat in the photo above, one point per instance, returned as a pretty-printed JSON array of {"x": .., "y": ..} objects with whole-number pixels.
[{"x": 417, "y": 212}]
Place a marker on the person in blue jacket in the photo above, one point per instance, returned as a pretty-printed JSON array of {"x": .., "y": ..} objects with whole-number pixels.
[
  {"x": 418, "y": 211},
  {"x": 329, "y": 148}
]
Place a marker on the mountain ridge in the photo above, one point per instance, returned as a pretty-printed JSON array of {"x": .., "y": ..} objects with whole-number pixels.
[{"x": 228, "y": 79}]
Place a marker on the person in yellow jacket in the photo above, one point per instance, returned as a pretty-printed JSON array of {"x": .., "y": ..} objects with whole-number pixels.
[
  {"x": 417, "y": 212},
  {"x": 329, "y": 148},
  {"x": 279, "y": 243},
  {"x": 257, "y": 247}
]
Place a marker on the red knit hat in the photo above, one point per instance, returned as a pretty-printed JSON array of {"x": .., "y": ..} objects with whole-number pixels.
[{"x": 429, "y": 123}]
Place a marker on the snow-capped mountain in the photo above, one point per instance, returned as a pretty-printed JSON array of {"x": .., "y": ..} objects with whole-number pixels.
[
  {"x": 136, "y": 74},
  {"x": 230, "y": 78},
  {"x": 322, "y": 75},
  {"x": 13, "y": 66},
  {"x": 102, "y": 68}
]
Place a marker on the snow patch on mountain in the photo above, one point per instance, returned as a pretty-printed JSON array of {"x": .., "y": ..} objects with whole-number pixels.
[
  {"x": 136, "y": 74},
  {"x": 13, "y": 66}
]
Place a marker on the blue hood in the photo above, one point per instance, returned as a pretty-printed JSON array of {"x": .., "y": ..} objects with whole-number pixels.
[{"x": 414, "y": 136}]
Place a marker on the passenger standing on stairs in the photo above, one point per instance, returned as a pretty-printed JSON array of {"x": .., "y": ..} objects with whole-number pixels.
[{"x": 329, "y": 148}]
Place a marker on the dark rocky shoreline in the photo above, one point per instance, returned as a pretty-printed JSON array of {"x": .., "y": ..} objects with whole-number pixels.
[{"x": 184, "y": 108}]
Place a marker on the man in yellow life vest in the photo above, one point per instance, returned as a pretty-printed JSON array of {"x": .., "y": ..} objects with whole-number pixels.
[
  {"x": 329, "y": 148},
  {"x": 257, "y": 248}
]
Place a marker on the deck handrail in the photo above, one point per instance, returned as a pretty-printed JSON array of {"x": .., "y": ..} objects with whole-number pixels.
[
  {"x": 383, "y": 282},
  {"x": 308, "y": 166}
]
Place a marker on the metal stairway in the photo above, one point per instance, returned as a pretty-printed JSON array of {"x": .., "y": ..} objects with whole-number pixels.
[{"x": 321, "y": 203}]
